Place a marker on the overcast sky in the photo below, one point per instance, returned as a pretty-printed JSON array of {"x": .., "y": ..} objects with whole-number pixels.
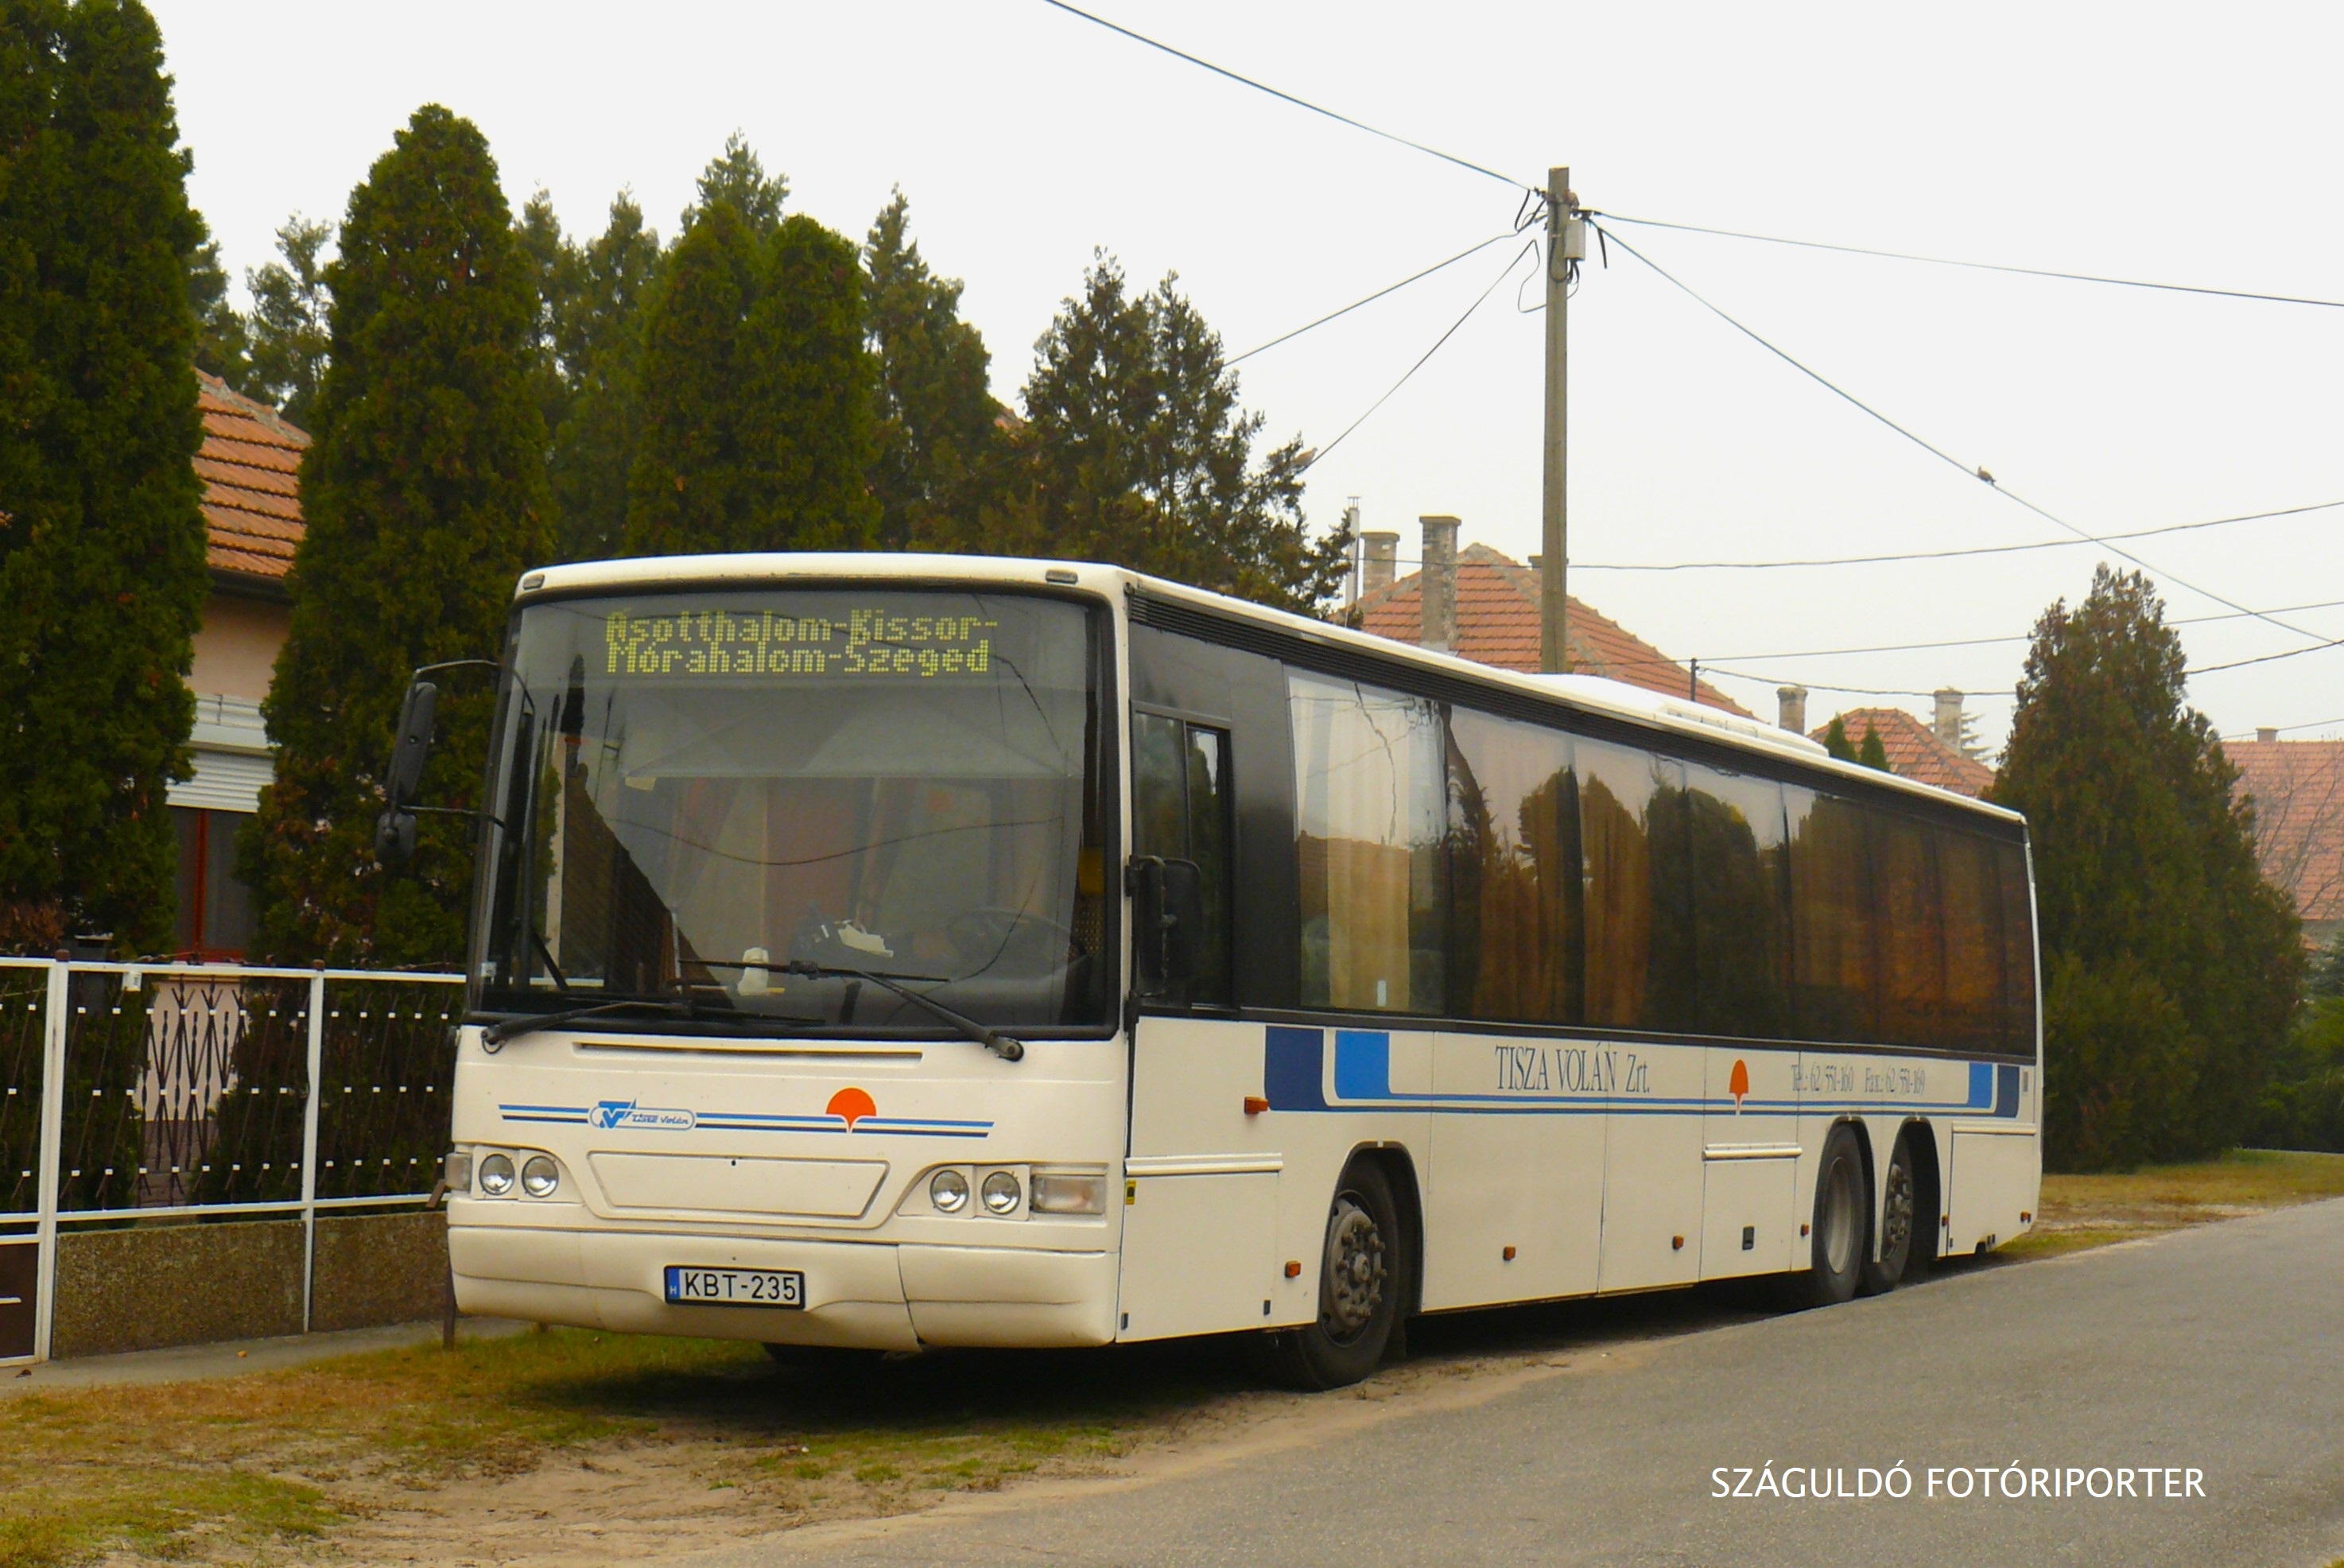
[{"x": 2189, "y": 144}]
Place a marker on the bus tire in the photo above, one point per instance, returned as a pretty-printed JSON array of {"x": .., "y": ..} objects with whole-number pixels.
[
  {"x": 1841, "y": 1222},
  {"x": 1899, "y": 1214},
  {"x": 1360, "y": 1277}
]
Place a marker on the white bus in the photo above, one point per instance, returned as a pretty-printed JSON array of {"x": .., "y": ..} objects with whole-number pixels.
[{"x": 895, "y": 951}]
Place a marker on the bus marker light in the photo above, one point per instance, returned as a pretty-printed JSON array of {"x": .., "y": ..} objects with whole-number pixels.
[
  {"x": 1069, "y": 1192},
  {"x": 1294, "y": 1269},
  {"x": 1804, "y": 1229},
  {"x": 1676, "y": 1243},
  {"x": 1255, "y": 1105},
  {"x": 1510, "y": 1254}
]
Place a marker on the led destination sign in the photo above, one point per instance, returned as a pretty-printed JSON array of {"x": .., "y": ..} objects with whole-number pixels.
[{"x": 773, "y": 644}]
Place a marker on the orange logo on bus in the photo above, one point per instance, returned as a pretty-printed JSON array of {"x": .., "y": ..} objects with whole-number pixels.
[
  {"x": 851, "y": 1105},
  {"x": 1738, "y": 1084}
]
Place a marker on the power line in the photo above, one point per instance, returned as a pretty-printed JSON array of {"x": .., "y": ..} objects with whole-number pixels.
[
  {"x": 1709, "y": 669},
  {"x": 1939, "y": 555},
  {"x": 1371, "y": 299},
  {"x": 1289, "y": 97},
  {"x": 2290, "y": 729},
  {"x": 1513, "y": 261},
  {"x": 1976, "y": 265},
  {"x": 2017, "y": 637},
  {"x": 1939, "y": 453},
  {"x": 2264, "y": 658},
  {"x": 1010, "y": 459}
]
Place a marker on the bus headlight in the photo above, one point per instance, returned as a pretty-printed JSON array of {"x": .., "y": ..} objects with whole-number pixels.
[
  {"x": 1000, "y": 1193},
  {"x": 497, "y": 1176},
  {"x": 540, "y": 1176},
  {"x": 948, "y": 1190},
  {"x": 1069, "y": 1192}
]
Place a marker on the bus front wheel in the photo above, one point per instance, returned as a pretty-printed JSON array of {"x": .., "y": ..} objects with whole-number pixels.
[
  {"x": 1360, "y": 1275},
  {"x": 1842, "y": 1221}
]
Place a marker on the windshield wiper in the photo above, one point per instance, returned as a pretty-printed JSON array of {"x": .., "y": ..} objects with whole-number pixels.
[
  {"x": 1003, "y": 1045},
  {"x": 493, "y": 1037}
]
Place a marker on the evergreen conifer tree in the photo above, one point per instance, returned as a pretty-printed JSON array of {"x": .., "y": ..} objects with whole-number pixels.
[
  {"x": 1871, "y": 752},
  {"x": 1140, "y": 454},
  {"x": 754, "y": 402},
  {"x": 101, "y": 528},
  {"x": 290, "y": 304},
  {"x": 2171, "y": 965},
  {"x": 598, "y": 328},
  {"x": 222, "y": 343},
  {"x": 940, "y": 448},
  {"x": 426, "y": 496},
  {"x": 737, "y": 176},
  {"x": 1836, "y": 739}
]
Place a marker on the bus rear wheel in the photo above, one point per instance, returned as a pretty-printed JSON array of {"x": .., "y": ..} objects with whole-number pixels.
[
  {"x": 1899, "y": 1215},
  {"x": 1360, "y": 1275},
  {"x": 1841, "y": 1224}
]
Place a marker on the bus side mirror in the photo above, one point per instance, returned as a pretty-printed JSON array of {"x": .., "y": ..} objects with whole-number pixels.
[
  {"x": 1167, "y": 915},
  {"x": 394, "y": 830}
]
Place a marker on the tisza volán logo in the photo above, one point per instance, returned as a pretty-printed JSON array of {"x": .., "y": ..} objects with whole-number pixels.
[{"x": 618, "y": 1113}]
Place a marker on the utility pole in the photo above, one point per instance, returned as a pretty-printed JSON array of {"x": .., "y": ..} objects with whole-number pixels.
[{"x": 1566, "y": 244}]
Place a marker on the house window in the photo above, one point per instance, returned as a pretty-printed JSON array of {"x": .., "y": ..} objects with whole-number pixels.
[{"x": 215, "y": 908}]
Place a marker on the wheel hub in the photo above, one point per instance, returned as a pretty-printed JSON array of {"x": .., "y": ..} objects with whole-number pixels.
[
  {"x": 1355, "y": 1269},
  {"x": 1897, "y": 1213}
]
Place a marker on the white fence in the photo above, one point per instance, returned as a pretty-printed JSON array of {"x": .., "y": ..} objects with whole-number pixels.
[{"x": 134, "y": 1092}]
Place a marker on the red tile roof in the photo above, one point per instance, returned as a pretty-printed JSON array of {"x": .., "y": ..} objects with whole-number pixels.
[
  {"x": 250, "y": 463},
  {"x": 1498, "y": 623},
  {"x": 2297, "y": 788},
  {"x": 1915, "y": 750}
]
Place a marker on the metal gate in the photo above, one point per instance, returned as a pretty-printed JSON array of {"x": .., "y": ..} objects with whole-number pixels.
[{"x": 201, "y": 1092}]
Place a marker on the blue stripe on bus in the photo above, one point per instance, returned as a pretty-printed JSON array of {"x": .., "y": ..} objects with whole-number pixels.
[
  {"x": 773, "y": 1121},
  {"x": 1293, "y": 1064},
  {"x": 1294, "y": 1077}
]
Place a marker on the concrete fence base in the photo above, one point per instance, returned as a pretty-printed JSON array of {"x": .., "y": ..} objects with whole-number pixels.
[{"x": 153, "y": 1286}]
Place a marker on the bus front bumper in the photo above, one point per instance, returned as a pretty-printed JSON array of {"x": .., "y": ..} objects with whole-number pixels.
[{"x": 873, "y": 1295}]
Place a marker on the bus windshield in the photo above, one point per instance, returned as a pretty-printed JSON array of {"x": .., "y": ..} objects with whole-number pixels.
[{"x": 746, "y": 800}]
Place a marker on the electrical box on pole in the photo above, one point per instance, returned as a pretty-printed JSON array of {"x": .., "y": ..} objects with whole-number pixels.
[{"x": 1566, "y": 246}]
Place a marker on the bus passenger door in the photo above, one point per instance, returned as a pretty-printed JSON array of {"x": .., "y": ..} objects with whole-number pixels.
[{"x": 1200, "y": 1185}]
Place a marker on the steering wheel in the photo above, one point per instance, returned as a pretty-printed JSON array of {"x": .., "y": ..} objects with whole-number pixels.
[{"x": 1016, "y": 940}]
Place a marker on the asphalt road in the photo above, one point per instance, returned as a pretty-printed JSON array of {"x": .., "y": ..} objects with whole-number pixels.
[{"x": 2220, "y": 1349}]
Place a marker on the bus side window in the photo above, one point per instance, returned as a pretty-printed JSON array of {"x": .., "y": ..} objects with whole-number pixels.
[{"x": 1180, "y": 810}]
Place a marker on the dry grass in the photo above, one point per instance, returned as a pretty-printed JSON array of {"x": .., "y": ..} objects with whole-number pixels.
[
  {"x": 2080, "y": 1211},
  {"x": 245, "y": 1466}
]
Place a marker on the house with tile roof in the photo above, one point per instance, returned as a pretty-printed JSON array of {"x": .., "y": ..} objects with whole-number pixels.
[
  {"x": 1485, "y": 607},
  {"x": 250, "y": 463},
  {"x": 2297, "y": 790},
  {"x": 1916, "y": 750}
]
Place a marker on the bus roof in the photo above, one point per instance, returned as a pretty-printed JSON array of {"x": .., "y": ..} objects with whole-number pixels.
[{"x": 1587, "y": 693}]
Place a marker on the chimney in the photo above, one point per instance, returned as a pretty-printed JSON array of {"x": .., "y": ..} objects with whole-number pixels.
[
  {"x": 1440, "y": 582},
  {"x": 2266, "y": 734},
  {"x": 1382, "y": 558},
  {"x": 1792, "y": 708},
  {"x": 1948, "y": 723}
]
